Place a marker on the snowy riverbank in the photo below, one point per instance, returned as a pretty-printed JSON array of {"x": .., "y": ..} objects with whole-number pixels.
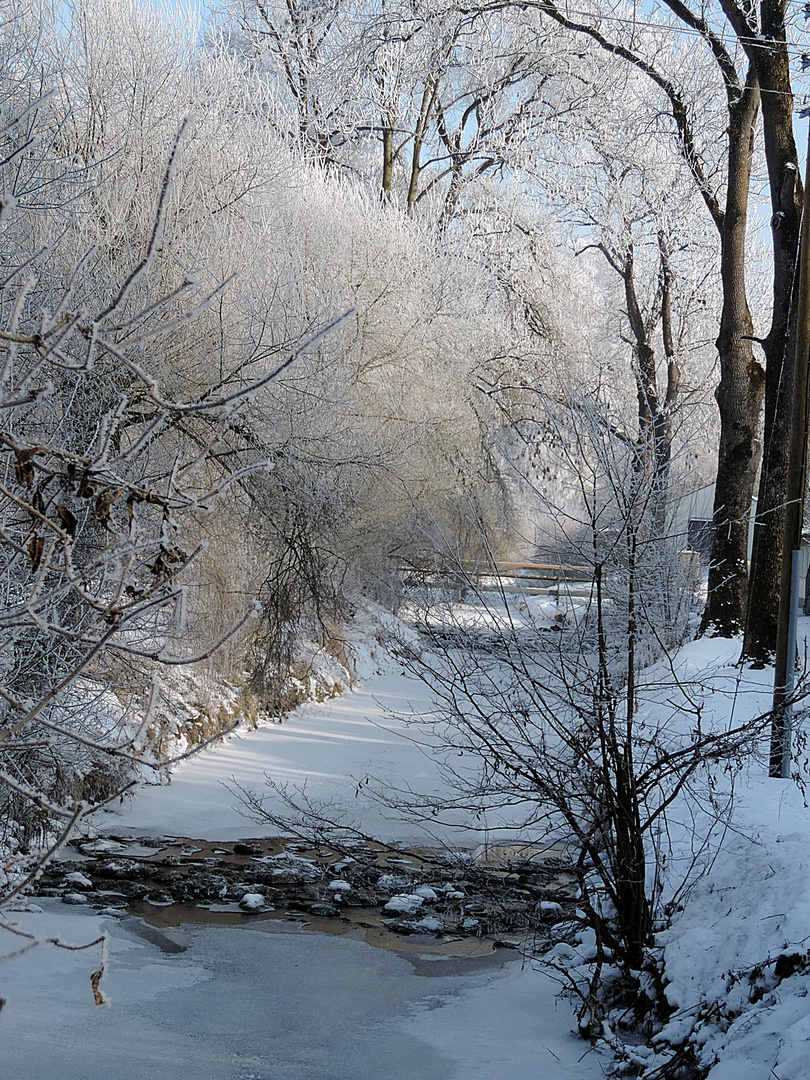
[{"x": 270, "y": 1000}]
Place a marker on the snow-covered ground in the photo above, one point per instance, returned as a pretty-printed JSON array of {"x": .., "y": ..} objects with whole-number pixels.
[
  {"x": 332, "y": 749},
  {"x": 721, "y": 950},
  {"x": 272, "y": 1000},
  {"x": 745, "y": 1010}
]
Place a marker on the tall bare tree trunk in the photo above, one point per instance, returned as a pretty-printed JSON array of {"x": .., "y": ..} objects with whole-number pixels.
[
  {"x": 786, "y": 203},
  {"x": 739, "y": 394}
]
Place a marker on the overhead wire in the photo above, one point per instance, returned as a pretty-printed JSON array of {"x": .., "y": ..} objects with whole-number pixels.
[
  {"x": 803, "y": 51},
  {"x": 672, "y": 28}
]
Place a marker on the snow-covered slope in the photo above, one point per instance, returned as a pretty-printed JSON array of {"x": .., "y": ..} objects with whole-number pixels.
[
  {"x": 748, "y": 1009},
  {"x": 735, "y": 957}
]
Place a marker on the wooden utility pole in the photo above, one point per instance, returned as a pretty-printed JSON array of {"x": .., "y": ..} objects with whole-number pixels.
[{"x": 785, "y": 664}]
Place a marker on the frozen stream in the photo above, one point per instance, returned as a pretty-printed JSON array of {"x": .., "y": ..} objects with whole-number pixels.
[
  {"x": 271, "y": 1001},
  {"x": 328, "y": 748},
  {"x": 275, "y": 1003}
]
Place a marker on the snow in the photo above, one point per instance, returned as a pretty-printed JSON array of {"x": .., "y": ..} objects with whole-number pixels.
[
  {"x": 426, "y": 892},
  {"x": 340, "y": 751},
  {"x": 546, "y": 610},
  {"x": 405, "y": 903},
  {"x": 430, "y": 924},
  {"x": 751, "y": 908},
  {"x": 253, "y": 902},
  {"x": 271, "y": 1000},
  {"x": 339, "y": 886},
  {"x": 79, "y": 880}
]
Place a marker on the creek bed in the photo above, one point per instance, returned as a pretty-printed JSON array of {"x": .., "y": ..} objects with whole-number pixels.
[{"x": 424, "y": 901}]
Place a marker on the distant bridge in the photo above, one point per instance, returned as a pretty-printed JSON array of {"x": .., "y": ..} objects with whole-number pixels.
[{"x": 511, "y": 576}]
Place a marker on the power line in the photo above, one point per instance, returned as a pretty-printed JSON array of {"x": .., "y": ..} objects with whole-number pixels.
[
  {"x": 803, "y": 51},
  {"x": 671, "y": 28}
]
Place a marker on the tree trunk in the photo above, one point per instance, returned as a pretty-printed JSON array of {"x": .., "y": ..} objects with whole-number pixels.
[
  {"x": 739, "y": 394},
  {"x": 387, "y": 161},
  {"x": 786, "y": 202},
  {"x": 429, "y": 96}
]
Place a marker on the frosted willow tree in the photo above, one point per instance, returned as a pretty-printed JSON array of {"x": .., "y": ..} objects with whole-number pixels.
[{"x": 374, "y": 433}]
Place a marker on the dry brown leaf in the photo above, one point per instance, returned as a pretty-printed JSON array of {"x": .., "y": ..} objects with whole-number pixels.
[
  {"x": 68, "y": 519},
  {"x": 36, "y": 546},
  {"x": 98, "y": 993}
]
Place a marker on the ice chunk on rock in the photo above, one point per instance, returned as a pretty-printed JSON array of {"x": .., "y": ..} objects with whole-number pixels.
[
  {"x": 253, "y": 901},
  {"x": 390, "y": 882},
  {"x": 428, "y": 925},
  {"x": 339, "y": 886},
  {"x": 426, "y": 892},
  {"x": 102, "y": 847},
  {"x": 78, "y": 880},
  {"x": 404, "y": 903}
]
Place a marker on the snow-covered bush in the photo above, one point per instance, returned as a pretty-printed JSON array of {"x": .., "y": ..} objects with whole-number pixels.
[{"x": 104, "y": 473}]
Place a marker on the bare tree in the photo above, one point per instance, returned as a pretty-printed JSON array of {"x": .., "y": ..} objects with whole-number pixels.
[
  {"x": 103, "y": 478},
  {"x": 582, "y": 730}
]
